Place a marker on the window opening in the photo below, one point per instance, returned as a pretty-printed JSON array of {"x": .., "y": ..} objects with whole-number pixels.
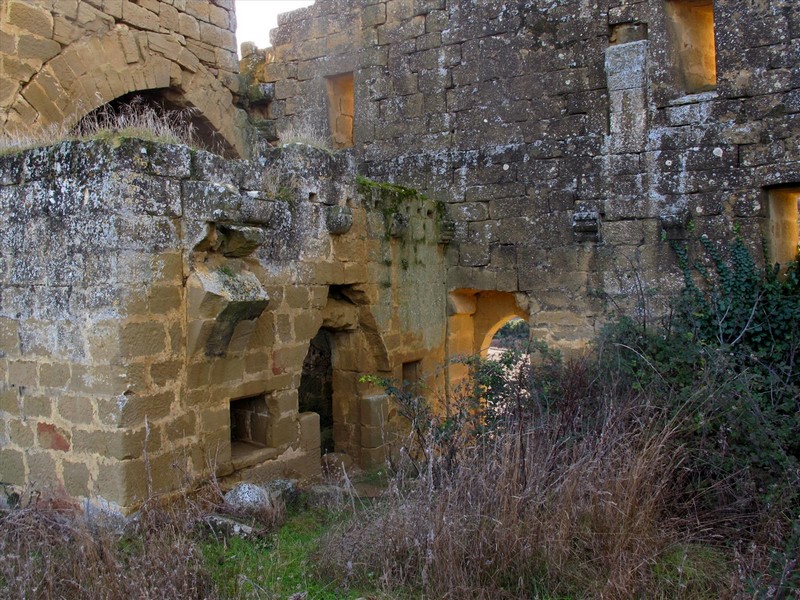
[
  {"x": 691, "y": 32},
  {"x": 412, "y": 372},
  {"x": 249, "y": 418},
  {"x": 341, "y": 108},
  {"x": 783, "y": 224}
]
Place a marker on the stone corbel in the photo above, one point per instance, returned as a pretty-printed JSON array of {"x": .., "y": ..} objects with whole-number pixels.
[
  {"x": 223, "y": 307},
  {"x": 339, "y": 219},
  {"x": 586, "y": 226},
  {"x": 674, "y": 226}
]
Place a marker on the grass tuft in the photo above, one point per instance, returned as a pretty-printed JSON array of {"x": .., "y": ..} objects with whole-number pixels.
[{"x": 136, "y": 119}]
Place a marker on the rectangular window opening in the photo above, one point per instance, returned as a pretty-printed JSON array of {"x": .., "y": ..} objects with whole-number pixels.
[
  {"x": 341, "y": 108},
  {"x": 412, "y": 371},
  {"x": 783, "y": 224},
  {"x": 691, "y": 33},
  {"x": 249, "y": 419}
]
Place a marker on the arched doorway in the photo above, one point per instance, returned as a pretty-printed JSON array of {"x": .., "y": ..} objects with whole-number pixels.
[
  {"x": 475, "y": 317},
  {"x": 162, "y": 112},
  {"x": 511, "y": 335}
]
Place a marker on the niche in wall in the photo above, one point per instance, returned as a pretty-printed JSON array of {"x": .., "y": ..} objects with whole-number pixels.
[{"x": 341, "y": 108}]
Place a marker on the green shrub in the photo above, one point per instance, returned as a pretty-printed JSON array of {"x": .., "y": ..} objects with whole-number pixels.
[{"x": 727, "y": 361}]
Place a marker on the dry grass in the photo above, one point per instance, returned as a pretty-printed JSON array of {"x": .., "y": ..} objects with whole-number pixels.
[
  {"x": 15, "y": 141},
  {"x": 566, "y": 505},
  {"x": 53, "y": 551},
  {"x": 141, "y": 120},
  {"x": 49, "y": 553},
  {"x": 136, "y": 119},
  {"x": 304, "y": 133}
]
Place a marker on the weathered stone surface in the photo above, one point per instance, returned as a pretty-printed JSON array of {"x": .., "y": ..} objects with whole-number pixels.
[
  {"x": 556, "y": 145},
  {"x": 100, "y": 51},
  {"x": 248, "y": 497}
]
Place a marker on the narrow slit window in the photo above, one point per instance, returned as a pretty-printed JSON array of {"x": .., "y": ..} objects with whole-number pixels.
[
  {"x": 411, "y": 377},
  {"x": 783, "y": 224},
  {"x": 341, "y": 108},
  {"x": 691, "y": 33}
]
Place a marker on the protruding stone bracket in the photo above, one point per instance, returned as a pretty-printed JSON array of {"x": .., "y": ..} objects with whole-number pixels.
[
  {"x": 339, "y": 219},
  {"x": 586, "y": 226},
  {"x": 398, "y": 225},
  {"x": 238, "y": 241},
  {"x": 447, "y": 230},
  {"x": 675, "y": 226},
  {"x": 223, "y": 308},
  {"x": 232, "y": 240}
]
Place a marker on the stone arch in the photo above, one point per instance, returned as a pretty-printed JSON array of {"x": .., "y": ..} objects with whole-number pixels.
[
  {"x": 95, "y": 71},
  {"x": 474, "y": 317}
]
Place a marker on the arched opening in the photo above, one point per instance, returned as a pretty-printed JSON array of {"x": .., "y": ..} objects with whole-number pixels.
[
  {"x": 162, "y": 113},
  {"x": 510, "y": 335},
  {"x": 475, "y": 317},
  {"x": 316, "y": 385}
]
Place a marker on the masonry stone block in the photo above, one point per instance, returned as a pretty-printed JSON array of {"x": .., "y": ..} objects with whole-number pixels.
[
  {"x": 12, "y": 466},
  {"x": 78, "y": 410},
  {"x": 310, "y": 432},
  {"x": 30, "y": 18},
  {"x": 9, "y": 400},
  {"x": 374, "y": 411},
  {"x": 77, "y": 479},
  {"x": 21, "y": 433},
  {"x": 41, "y": 467}
]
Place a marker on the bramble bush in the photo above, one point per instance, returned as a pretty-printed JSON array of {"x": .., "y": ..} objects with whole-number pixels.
[
  {"x": 664, "y": 464},
  {"x": 727, "y": 359}
]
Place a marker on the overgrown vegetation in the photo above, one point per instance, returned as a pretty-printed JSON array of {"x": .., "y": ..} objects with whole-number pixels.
[
  {"x": 306, "y": 134},
  {"x": 662, "y": 465},
  {"x": 49, "y": 552},
  {"x": 137, "y": 119}
]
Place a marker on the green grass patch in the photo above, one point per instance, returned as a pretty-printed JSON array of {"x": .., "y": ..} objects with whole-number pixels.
[
  {"x": 278, "y": 565},
  {"x": 691, "y": 571}
]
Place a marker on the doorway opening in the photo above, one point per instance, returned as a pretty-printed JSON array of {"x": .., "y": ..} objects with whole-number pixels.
[
  {"x": 316, "y": 385},
  {"x": 513, "y": 335},
  {"x": 783, "y": 224}
]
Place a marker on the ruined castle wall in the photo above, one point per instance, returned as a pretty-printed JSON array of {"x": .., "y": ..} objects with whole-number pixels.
[
  {"x": 146, "y": 288},
  {"x": 60, "y": 59},
  {"x": 568, "y": 138}
]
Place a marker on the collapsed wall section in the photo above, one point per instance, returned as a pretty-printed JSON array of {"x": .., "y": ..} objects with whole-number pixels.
[{"x": 157, "y": 303}]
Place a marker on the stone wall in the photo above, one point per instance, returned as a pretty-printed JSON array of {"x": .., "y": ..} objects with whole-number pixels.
[
  {"x": 560, "y": 134},
  {"x": 146, "y": 287},
  {"x": 60, "y": 59}
]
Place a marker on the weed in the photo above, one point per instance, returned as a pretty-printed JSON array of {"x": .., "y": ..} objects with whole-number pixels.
[
  {"x": 137, "y": 119},
  {"x": 50, "y": 552},
  {"x": 306, "y": 134}
]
